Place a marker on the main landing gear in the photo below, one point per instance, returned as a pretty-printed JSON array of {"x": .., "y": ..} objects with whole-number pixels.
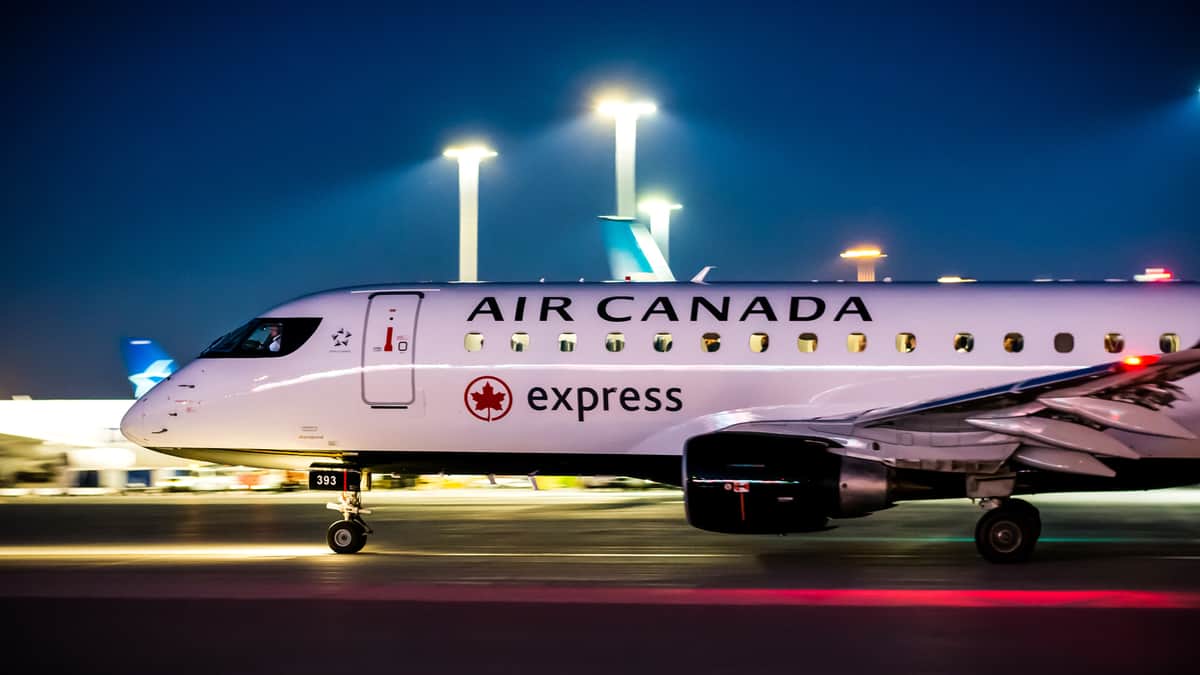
[
  {"x": 349, "y": 534},
  {"x": 1008, "y": 530}
]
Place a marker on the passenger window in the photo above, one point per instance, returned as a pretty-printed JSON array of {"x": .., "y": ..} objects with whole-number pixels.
[
  {"x": 473, "y": 342},
  {"x": 964, "y": 342},
  {"x": 1114, "y": 342},
  {"x": 1014, "y": 343},
  {"x": 906, "y": 342},
  {"x": 566, "y": 342},
  {"x": 520, "y": 342},
  {"x": 759, "y": 342},
  {"x": 856, "y": 342},
  {"x": 807, "y": 342},
  {"x": 615, "y": 342},
  {"x": 662, "y": 342},
  {"x": 1168, "y": 343},
  {"x": 1064, "y": 343},
  {"x": 710, "y": 342}
]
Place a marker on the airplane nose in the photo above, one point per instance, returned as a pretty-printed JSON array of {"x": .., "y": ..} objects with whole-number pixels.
[{"x": 133, "y": 424}]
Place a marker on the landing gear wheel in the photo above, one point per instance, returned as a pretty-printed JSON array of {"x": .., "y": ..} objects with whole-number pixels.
[
  {"x": 346, "y": 536},
  {"x": 1031, "y": 511},
  {"x": 349, "y": 534},
  {"x": 1009, "y": 532}
]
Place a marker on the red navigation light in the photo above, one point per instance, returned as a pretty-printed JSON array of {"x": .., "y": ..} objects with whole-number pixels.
[{"x": 1138, "y": 362}]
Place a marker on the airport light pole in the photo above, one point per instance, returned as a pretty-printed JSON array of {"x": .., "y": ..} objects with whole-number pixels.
[
  {"x": 625, "y": 115},
  {"x": 865, "y": 258},
  {"x": 468, "y": 158},
  {"x": 660, "y": 222}
]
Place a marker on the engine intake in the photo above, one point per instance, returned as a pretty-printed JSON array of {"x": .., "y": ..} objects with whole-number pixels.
[{"x": 746, "y": 483}]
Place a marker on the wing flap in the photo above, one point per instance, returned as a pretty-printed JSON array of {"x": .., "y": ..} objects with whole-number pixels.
[
  {"x": 1064, "y": 461},
  {"x": 1058, "y": 433},
  {"x": 1119, "y": 415}
]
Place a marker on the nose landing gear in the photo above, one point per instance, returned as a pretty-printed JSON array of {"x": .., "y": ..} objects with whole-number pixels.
[
  {"x": 1008, "y": 530},
  {"x": 349, "y": 534}
]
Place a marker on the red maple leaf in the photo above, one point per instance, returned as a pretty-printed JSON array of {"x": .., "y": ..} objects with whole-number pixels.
[{"x": 488, "y": 399}]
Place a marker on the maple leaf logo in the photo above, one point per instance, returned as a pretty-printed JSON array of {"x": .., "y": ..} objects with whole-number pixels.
[
  {"x": 488, "y": 398},
  {"x": 489, "y": 402}
]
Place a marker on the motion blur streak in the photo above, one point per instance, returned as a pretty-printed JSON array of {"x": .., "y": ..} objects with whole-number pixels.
[
  {"x": 819, "y": 597},
  {"x": 473, "y": 593},
  {"x": 237, "y": 552},
  {"x": 226, "y": 552}
]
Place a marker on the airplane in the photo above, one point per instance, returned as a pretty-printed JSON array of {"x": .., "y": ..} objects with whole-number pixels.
[
  {"x": 774, "y": 406},
  {"x": 42, "y": 436}
]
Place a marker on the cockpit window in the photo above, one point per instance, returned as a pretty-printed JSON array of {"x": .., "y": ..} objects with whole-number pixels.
[{"x": 265, "y": 337}]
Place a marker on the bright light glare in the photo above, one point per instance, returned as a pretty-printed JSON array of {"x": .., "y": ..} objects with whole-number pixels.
[
  {"x": 616, "y": 107},
  {"x": 233, "y": 552},
  {"x": 863, "y": 253},
  {"x": 1135, "y": 362},
  {"x": 469, "y": 152},
  {"x": 954, "y": 279},
  {"x": 1155, "y": 274},
  {"x": 658, "y": 206}
]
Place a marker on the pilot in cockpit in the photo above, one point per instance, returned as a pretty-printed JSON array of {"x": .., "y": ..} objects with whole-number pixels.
[{"x": 274, "y": 338}]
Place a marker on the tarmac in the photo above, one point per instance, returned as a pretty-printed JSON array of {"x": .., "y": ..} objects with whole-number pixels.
[{"x": 590, "y": 581}]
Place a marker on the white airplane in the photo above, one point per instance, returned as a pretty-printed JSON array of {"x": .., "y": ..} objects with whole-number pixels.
[
  {"x": 84, "y": 434},
  {"x": 774, "y": 406}
]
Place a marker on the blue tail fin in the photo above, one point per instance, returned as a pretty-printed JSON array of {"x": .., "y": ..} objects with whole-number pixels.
[
  {"x": 146, "y": 363},
  {"x": 633, "y": 254}
]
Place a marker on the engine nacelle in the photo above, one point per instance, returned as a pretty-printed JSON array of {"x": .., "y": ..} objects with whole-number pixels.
[{"x": 747, "y": 483}]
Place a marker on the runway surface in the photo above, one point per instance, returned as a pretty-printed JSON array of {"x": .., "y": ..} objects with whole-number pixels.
[{"x": 509, "y": 580}]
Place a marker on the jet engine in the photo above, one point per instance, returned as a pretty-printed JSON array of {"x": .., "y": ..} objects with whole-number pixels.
[{"x": 747, "y": 483}]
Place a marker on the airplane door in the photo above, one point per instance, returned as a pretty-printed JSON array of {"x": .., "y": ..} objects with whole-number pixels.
[{"x": 388, "y": 348}]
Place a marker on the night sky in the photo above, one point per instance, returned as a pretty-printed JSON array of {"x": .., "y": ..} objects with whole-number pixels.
[{"x": 171, "y": 173}]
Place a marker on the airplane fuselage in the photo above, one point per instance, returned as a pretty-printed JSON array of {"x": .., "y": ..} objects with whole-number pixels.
[{"x": 637, "y": 369}]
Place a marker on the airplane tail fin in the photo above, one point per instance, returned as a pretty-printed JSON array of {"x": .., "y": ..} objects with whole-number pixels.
[
  {"x": 632, "y": 252},
  {"x": 145, "y": 363}
]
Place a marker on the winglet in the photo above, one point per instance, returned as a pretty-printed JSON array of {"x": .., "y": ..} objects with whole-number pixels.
[{"x": 702, "y": 274}]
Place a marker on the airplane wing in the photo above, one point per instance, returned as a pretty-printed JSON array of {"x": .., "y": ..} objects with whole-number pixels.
[{"x": 1061, "y": 422}]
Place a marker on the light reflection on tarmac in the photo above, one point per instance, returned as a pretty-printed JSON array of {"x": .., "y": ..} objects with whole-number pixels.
[
  {"x": 514, "y": 536},
  {"x": 507, "y": 573}
]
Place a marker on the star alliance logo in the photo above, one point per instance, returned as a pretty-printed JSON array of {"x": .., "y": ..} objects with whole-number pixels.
[
  {"x": 341, "y": 338},
  {"x": 153, "y": 374}
]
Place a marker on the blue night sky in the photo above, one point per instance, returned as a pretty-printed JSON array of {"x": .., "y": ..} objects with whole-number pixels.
[{"x": 172, "y": 172}]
